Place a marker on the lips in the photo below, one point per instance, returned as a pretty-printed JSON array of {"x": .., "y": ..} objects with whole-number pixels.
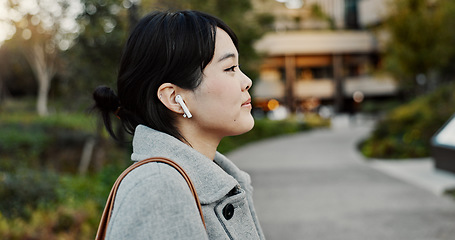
[{"x": 247, "y": 103}]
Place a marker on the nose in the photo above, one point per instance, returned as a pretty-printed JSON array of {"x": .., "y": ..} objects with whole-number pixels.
[{"x": 246, "y": 82}]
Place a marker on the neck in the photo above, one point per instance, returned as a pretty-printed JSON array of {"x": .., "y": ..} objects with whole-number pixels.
[
  {"x": 207, "y": 148},
  {"x": 203, "y": 143}
]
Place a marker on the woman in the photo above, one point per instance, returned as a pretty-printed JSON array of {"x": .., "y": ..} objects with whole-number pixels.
[{"x": 180, "y": 91}]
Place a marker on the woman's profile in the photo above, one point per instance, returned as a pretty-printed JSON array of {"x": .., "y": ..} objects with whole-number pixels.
[{"x": 179, "y": 92}]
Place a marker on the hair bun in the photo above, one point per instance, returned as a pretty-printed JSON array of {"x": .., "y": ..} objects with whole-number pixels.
[{"x": 105, "y": 99}]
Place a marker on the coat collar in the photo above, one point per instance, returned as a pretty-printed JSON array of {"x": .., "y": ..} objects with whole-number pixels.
[{"x": 211, "y": 181}]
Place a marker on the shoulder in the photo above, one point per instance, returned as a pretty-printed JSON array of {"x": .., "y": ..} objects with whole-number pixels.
[
  {"x": 153, "y": 198},
  {"x": 157, "y": 180}
]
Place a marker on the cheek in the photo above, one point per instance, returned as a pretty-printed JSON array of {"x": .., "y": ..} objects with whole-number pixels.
[{"x": 222, "y": 91}]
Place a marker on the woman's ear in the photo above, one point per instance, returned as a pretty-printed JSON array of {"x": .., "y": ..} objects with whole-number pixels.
[{"x": 166, "y": 94}]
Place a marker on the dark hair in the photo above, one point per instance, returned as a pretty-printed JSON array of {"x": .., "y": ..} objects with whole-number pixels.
[{"x": 165, "y": 47}]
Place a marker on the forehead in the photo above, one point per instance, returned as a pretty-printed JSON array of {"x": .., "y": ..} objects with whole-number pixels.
[{"x": 223, "y": 44}]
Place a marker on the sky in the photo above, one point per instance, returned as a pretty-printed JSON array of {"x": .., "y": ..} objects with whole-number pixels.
[
  {"x": 6, "y": 31},
  {"x": 67, "y": 24}
]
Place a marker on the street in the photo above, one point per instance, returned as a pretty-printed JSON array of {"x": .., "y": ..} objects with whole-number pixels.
[{"x": 315, "y": 185}]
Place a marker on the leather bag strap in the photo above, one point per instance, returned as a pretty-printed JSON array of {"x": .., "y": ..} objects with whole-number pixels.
[{"x": 101, "y": 233}]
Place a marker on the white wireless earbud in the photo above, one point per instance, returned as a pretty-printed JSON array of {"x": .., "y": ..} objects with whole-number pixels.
[{"x": 179, "y": 100}]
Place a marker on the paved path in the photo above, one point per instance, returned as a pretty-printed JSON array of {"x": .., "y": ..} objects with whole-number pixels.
[{"x": 314, "y": 185}]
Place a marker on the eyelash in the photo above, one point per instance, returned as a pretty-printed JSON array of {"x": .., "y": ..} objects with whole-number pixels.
[{"x": 232, "y": 69}]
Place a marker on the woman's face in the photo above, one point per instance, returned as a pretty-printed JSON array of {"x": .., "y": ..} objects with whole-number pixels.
[{"x": 221, "y": 105}]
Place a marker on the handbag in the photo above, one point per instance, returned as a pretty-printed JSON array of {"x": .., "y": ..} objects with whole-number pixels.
[{"x": 101, "y": 233}]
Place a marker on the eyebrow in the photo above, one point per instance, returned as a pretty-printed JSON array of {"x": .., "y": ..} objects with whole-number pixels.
[{"x": 226, "y": 56}]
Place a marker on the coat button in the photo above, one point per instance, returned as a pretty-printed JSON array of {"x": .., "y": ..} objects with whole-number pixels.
[{"x": 228, "y": 211}]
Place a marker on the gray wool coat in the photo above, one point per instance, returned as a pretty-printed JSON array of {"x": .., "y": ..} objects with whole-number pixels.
[{"x": 155, "y": 202}]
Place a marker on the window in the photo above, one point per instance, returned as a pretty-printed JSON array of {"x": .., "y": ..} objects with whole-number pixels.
[{"x": 350, "y": 14}]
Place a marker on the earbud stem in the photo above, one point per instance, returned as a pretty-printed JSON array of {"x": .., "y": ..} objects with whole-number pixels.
[{"x": 180, "y": 101}]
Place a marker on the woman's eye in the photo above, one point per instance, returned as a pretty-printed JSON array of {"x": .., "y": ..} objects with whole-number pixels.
[{"x": 231, "y": 69}]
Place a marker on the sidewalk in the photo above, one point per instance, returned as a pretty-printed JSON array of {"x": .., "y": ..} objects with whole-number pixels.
[
  {"x": 419, "y": 172},
  {"x": 315, "y": 185}
]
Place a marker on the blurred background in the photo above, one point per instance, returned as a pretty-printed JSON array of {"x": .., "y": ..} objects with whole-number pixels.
[{"x": 392, "y": 62}]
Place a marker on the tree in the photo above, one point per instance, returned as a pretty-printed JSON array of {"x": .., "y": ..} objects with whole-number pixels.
[
  {"x": 421, "y": 42},
  {"x": 96, "y": 53},
  {"x": 16, "y": 76},
  {"x": 43, "y": 29}
]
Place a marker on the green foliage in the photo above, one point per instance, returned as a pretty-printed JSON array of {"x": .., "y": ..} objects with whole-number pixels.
[
  {"x": 26, "y": 138},
  {"x": 25, "y": 190},
  {"x": 421, "y": 40},
  {"x": 314, "y": 120},
  {"x": 318, "y": 13},
  {"x": 71, "y": 121},
  {"x": 21, "y": 142},
  {"x": 61, "y": 223},
  {"x": 15, "y": 73},
  {"x": 94, "y": 58},
  {"x": 262, "y": 129},
  {"x": 76, "y": 190},
  {"x": 376, "y": 107},
  {"x": 37, "y": 203},
  {"x": 406, "y": 131},
  {"x": 450, "y": 193}
]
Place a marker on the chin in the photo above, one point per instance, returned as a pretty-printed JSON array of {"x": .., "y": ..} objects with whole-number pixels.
[
  {"x": 251, "y": 123},
  {"x": 247, "y": 125}
]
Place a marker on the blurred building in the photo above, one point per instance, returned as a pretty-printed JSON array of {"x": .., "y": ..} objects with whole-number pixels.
[{"x": 320, "y": 51}]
